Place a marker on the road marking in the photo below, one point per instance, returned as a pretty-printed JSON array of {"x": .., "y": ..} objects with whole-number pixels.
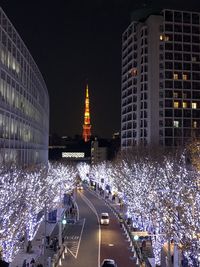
[
  {"x": 91, "y": 206},
  {"x": 77, "y": 211},
  {"x": 73, "y": 237},
  {"x": 73, "y": 242}
]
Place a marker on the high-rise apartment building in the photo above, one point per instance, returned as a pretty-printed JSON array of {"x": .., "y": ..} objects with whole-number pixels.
[
  {"x": 160, "y": 96},
  {"x": 24, "y": 102}
]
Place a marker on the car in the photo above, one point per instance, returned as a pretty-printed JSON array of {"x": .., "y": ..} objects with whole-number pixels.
[
  {"x": 79, "y": 187},
  {"x": 108, "y": 263},
  {"x": 104, "y": 218}
]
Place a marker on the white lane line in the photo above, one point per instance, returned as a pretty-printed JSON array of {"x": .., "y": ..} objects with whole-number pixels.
[
  {"x": 71, "y": 252},
  {"x": 77, "y": 211},
  {"x": 91, "y": 206}
]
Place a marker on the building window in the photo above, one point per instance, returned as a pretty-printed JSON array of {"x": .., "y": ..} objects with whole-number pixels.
[
  {"x": 175, "y": 95},
  {"x": 175, "y": 76},
  {"x": 164, "y": 37},
  {"x": 176, "y": 104},
  {"x": 133, "y": 72},
  {"x": 194, "y": 105},
  {"x": 161, "y": 37},
  {"x": 194, "y": 59},
  {"x": 185, "y": 77},
  {"x": 184, "y": 95},
  {"x": 184, "y": 104},
  {"x": 176, "y": 124},
  {"x": 194, "y": 124}
]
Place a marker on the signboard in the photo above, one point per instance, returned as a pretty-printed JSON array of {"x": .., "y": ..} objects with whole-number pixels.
[
  {"x": 73, "y": 154},
  {"x": 140, "y": 233}
]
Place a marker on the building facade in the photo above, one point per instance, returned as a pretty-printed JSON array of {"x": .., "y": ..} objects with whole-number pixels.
[
  {"x": 160, "y": 94},
  {"x": 24, "y": 102},
  {"x": 98, "y": 153}
]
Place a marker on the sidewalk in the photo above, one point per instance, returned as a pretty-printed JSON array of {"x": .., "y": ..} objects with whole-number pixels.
[
  {"x": 36, "y": 246},
  {"x": 38, "y": 252}
]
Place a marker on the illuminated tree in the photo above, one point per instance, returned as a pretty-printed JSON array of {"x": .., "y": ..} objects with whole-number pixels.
[
  {"x": 23, "y": 194},
  {"x": 83, "y": 171},
  {"x": 161, "y": 195}
]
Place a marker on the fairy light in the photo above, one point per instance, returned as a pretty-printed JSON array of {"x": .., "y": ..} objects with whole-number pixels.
[
  {"x": 162, "y": 197},
  {"x": 83, "y": 171},
  {"x": 23, "y": 194}
]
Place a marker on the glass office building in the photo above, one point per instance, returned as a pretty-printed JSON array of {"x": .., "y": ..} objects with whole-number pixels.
[
  {"x": 160, "y": 101},
  {"x": 24, "y": 102}
]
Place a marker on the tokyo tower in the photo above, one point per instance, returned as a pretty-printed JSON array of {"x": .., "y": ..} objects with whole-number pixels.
[{"x": 87, "y": 125}]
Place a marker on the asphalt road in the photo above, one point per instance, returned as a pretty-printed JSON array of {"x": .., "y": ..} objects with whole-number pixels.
[{"x": 89, "y": 243}]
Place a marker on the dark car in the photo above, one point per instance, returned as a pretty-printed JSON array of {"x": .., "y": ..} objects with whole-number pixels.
[{"x": 108, "y": 263}]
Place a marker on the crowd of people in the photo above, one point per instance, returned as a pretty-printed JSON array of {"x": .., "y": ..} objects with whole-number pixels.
[{"x": 30, "y": 264}]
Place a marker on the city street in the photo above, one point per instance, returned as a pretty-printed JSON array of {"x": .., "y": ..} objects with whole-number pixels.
[{"x": 89, "y": 243}]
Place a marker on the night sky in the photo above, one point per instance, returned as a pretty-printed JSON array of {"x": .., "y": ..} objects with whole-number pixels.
[{"x": 74, "y": 42}]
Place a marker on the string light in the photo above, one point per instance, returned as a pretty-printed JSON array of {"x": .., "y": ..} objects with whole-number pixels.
[
  {"x": 162, "y": 197},
  {"x": 23, "y": 196}
]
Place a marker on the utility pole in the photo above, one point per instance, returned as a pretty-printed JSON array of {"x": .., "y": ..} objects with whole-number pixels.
[{"x": 45, "y": 233}]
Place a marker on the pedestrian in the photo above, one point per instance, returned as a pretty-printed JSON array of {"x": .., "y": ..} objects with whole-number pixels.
[
  {"x": 51, "y": 243},
  {"x": 39, "y": 250},
  {"x": 47, "y": 239},
  {"x": 70, "y": 210},
  {"x": 29, "y": 246},
  {"x": 32, "y": 262},
  {"x": 55, "y": 244},
  {"x": 24, "y": 263},
  {"x": 120, "y": 222},
  {"x": 27, "y": 265}
]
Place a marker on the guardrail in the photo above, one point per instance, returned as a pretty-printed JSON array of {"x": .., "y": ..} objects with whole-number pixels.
[{"x": 59, "y": 256}]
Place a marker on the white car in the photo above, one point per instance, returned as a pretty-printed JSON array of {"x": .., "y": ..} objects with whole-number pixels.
[
  {"x": 108, "y": 263},
  {"x": 104, "y": 218}
]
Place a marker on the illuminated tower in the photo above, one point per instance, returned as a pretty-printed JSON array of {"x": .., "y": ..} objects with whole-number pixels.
[{"x": 87, "y": 125}]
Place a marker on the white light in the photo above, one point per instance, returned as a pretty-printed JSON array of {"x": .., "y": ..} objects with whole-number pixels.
[{"x": 73, "y": 154}]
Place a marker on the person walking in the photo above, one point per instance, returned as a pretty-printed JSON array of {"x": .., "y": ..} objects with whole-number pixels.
[
  {"x": 29, "y": 246},
  {"x": 32, "y": 262},
  {"x": 24, "y": 263}
]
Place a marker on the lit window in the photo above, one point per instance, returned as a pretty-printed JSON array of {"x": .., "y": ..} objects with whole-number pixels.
[
  {"x": 175, "y": 76},
  {"x": 194, "y": 105},
  {"x": 185, "y": 77},
  {"x": 176, "y": 124},
  {"x": 184, "y": 104},
  {"x": 195, "y": 124},
  {"x": 175, "y": 94},
  {"x": 176, "y": 104},
  {"x": 133, "y": 72},
  {"x": 166, "y": 38},
  {"x": 194, "y": 59}
]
